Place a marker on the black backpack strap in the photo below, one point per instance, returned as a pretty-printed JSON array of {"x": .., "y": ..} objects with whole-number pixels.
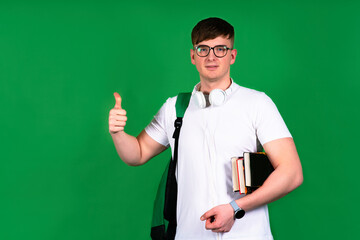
[
  {"x": 182, "y": 103},
  {"x": 168, "y": 196}
]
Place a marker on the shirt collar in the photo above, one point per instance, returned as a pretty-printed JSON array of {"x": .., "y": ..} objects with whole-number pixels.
[{"x": 228, "y": 91}]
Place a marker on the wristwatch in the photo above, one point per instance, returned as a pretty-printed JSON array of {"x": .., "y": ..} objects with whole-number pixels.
[{"x": 238, "y": 212}]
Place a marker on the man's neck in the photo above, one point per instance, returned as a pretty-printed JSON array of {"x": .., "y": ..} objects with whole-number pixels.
[{"x": 206, "y": 86}]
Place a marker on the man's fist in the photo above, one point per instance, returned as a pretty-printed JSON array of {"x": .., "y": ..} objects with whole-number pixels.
[
  {"x": 117, "y": 116},
  {"x": 219, "y": 219}
]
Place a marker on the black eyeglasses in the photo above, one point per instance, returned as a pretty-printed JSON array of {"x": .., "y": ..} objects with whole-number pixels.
[{"x": 219, "y": 50}]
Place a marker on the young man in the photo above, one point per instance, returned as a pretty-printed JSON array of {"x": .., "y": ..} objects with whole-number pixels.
[{"x": 222, "y": 120}]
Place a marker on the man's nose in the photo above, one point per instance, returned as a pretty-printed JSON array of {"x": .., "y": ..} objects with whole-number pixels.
[{"x": 211, "y": 55}]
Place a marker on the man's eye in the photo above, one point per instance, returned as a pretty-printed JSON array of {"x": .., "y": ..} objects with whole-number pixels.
[{"x": 220, "y": 49}]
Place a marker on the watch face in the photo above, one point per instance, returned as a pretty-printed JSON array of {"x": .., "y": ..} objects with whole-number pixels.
[{"x": 239, "y": 214}]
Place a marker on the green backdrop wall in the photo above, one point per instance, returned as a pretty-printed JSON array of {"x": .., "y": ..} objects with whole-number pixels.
[{"x": 61, "y": 61}]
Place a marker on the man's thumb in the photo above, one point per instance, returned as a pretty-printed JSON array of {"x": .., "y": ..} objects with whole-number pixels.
[{"x": 117, "y": 100}]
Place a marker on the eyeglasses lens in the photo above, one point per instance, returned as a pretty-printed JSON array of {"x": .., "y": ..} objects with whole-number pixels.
[
  {"x": 203, "y": 51},
  {"x": 220, "y": 51}
]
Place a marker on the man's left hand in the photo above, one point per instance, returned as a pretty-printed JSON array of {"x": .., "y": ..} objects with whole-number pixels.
[{"x": 219, "y": 218}]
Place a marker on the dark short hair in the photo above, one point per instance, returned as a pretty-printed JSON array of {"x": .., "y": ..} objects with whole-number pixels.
[{"x": 211, "y": 28}]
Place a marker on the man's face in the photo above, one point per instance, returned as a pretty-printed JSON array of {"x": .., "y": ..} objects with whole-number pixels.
[{"x": 212, "y": 68}]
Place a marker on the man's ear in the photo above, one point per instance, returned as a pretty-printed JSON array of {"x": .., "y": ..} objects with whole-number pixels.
[
  {"x": 192, "y": 56},
  {"x": 233, "y": 56}
]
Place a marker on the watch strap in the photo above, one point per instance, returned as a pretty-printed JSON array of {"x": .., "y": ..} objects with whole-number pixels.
[{"x": 234, "y": 205}]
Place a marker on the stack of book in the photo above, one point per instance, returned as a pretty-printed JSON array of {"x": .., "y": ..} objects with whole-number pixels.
[{"x": 250, "y": 172}]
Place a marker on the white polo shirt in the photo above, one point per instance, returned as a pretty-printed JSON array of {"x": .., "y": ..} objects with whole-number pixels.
[{"x": 209, "y": 137}]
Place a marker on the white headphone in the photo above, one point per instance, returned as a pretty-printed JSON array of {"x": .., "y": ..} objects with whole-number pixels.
[{"x": 216, "y": 98}]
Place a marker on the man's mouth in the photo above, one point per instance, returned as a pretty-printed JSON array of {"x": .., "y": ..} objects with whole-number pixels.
[{"x": 211, "y": 67}]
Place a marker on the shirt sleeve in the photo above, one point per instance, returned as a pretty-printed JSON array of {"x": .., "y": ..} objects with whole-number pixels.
[
  {"x": 269, "y": 124},
  {"x": 157, "y": 127}
]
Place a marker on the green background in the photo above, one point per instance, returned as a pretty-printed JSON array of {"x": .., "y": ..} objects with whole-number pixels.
[{"x": 61, "y": 61}]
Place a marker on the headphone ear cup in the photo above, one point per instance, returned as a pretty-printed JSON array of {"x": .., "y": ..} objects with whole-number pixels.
[
  {"x": 217, "y": 97},
  {"x": 200, "y": 99}
]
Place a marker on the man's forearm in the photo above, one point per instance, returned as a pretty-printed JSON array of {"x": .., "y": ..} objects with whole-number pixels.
[
  {"x": 286, "y": 177},
  {"x": 128, "y": 148},
  {"x": 136, "y": 151},
  {"x": 279, "y": 183}
]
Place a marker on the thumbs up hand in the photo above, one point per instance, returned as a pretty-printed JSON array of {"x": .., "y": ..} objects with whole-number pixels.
[{"x": 117, "y": 116}]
